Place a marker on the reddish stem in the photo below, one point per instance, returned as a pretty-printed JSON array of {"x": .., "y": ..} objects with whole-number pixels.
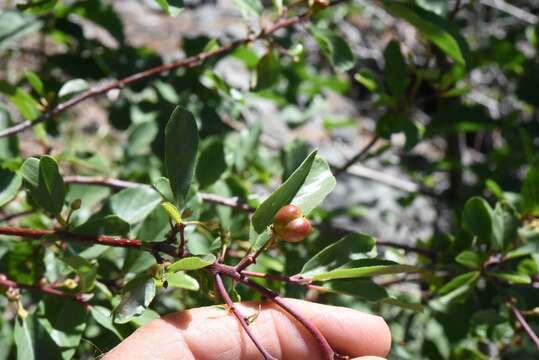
[
  {"x": 188, "y": 62},
  {"x": 100, "y": 239},
  {"x": 223, "y": 293},
  {"x": 527, "y": 328},
  {"x": 100, "y": 180},
  {"x": 49, "y": 290},
  {"x": 236, "y": 204},
  {"x": 251, "y": 259},
  {"x": 326, "y": 350},
  {"x": 182, "y": 249},
  {"x": 122, "y": 184}
]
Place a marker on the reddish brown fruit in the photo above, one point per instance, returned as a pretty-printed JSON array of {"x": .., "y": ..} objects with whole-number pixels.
[
  {"x": 296, "y": 230},
  {"x": 285, "y": 215}
]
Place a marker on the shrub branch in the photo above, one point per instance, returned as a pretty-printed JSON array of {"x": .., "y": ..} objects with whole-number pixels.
[
  {"x": 241, "y": 318},
  {"x": 189, "y": 62},
  {"x": 45, "y": 289}
]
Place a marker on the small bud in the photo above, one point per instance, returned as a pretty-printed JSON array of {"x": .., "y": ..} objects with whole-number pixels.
[{"x": 75, "y": 205}]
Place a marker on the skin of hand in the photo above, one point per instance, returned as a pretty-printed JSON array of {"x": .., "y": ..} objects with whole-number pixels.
[{"x": 214, "y": 333}]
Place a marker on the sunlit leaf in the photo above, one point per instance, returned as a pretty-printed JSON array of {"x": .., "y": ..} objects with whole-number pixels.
[
  {"x": 134, "y": 204},
  {"x": 338, "y": 253},
  {"x": 191, "y": 263},
  {"x": 182, "y": 281},
  {"x": 433, "y": 27}
]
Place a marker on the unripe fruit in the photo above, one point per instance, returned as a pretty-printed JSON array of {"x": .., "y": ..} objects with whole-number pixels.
[
  {"x": 296, "y": 230},
  {"x": 285, "y": 215}
]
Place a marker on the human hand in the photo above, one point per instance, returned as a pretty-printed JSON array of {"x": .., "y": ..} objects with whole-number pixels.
[{"x": 214, "y": 333}]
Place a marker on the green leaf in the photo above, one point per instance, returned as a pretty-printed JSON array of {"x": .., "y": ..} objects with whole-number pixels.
[
  {"x": 72, "y": 88},
  {"x": 505, "y": 223},
  {"x": 86, "y": 271},
  {"x": 9, "y": 146},
  {"x": 191, "y": 263},
  {"x": 162, "y": 185},
  {"x": 317, "y": 185},
  {"x": 14, "y": 26},
  {"x": 38, "y": 7},
  {"x": 366, "y": 289},
  {"x": 10, "y": 183},
  {"x": 21, "y": 99},
  {"x": 267, "y": 71},
  {"x": 134, "y": 204},
  {"x": 284, "y": 194},
  {"x": 181, "y": 144},
  {"x": 369, "y": 80},
  {"x": 45, "y": 183},
  {"x": 292, "y": 155},
  {"x": 103, "y": 317},
  {"x": 512, "y": 278},
  {"x": 530, "y": 189},
  {"x": 211, "y": 163},
  {"x": 136, "y": 297},
  {"x": 338, "y": 253},
  {"x": 182, "y": 281},
  {"x": 334, "y": 47},
  {"x": 477, "y": 218},
  {"x": 435, "y": 28},
  {"x": 155, "y": 226},
  {"x": 141, "y": 136},
  {"x": 465, "y": 279},
  {"x": 395, "y": 70},
  {"x": 23, "y": 340},
  {"x": 107, "y": 225},
  {"x": 65, "y": 322},
  {"x": 362, "y": 288},
  {"x": 364, "y": 268},
  {"x": 35, "y": 82},
  {"x": 489, "y": 317},
  {"x": 469, "y": 259},
  {"x": 171, "y": 7},
  {"x": 250, "y": 7},
  {"x": 245, "y": 146},
  {"x": 402, "y": 304}
]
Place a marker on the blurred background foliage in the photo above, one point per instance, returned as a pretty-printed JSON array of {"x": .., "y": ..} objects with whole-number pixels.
[{"x": 426, "y": 110}]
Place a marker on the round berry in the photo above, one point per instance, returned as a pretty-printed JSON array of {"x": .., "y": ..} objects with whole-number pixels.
[
  {"x": 285, "y": 215},
  {"x": 296, "y": 230}
]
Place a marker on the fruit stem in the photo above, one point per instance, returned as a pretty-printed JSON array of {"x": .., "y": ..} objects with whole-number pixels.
[{"x": 250, "y": 259}]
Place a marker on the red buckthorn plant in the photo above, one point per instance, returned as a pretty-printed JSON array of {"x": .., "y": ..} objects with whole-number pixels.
[{"x": 376, "y": 155}]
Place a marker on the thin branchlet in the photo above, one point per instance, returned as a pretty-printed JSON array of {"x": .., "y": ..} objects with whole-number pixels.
[{"x": 220, "y": 287}]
